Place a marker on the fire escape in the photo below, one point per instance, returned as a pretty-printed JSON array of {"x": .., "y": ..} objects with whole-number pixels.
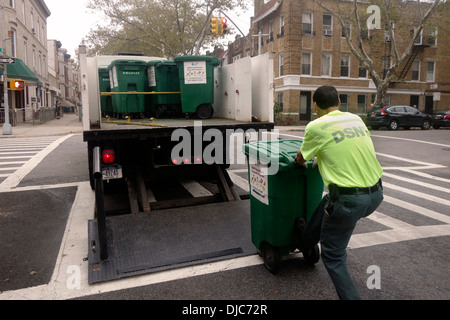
[{"x": 417, "y": 49}]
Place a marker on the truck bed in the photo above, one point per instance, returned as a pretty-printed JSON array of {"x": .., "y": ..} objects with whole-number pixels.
[{"x": 141, "y": 128}]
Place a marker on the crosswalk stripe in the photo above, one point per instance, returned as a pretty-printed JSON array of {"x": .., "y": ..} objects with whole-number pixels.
[
  {"x": 420, "y": 183},
  {"x": 417, "y": 194}
]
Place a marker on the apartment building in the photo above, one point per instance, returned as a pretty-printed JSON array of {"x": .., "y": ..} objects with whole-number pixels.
[
  {"x": 309, "y": 50},
  {"x": 26, "y": 41},
  {"x": 63, "y": 76}
]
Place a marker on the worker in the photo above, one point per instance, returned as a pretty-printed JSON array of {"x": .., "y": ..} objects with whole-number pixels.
[{"x": 341, "y": 144}]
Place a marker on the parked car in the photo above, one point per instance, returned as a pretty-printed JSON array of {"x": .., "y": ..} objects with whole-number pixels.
[
  {"x": 441, "y": 119},
  {"x": 394, "y": 117}
]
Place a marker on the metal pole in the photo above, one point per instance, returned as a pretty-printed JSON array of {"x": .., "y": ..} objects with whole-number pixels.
[
  {"x": 249, "y": 43},
  {"x": 7, "y": 129}
]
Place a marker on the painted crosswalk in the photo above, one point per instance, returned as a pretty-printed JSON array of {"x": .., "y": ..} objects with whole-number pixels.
[{"x": 19, "y": 156}]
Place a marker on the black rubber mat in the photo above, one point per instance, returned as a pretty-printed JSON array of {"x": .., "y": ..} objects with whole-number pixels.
[{"x": 167, "y": 239}]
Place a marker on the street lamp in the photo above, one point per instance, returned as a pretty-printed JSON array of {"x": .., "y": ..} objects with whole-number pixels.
[{"x": 7, "y": 129}]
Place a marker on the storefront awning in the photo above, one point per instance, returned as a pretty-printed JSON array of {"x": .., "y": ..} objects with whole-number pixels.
[{"x": 20, "y": 70}]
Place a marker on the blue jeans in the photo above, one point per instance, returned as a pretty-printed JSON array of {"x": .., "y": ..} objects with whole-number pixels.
[{"x": 333, "y": 224}]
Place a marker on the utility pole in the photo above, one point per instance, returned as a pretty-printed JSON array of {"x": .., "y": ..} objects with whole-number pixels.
[
  {"x": 260, "y": 39},
  {"x": 7, "y": 129},
  {"x": 251, "y": 47}
]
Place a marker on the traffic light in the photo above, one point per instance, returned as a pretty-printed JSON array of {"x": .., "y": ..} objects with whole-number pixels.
[
  {"x": 215, "y": 25},
  {"x": 224, "y": 29},
  {"x": 16, "y": 84}
]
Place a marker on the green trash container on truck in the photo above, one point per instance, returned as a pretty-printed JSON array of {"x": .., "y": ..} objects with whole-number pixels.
[
  {"x": 280, "y": 193},
  {"x": 163, "y": 76},
  {"x": 128, "y": 76},
  {"x": 197, "y": 84},
  {"x": 105, "y": 86}
]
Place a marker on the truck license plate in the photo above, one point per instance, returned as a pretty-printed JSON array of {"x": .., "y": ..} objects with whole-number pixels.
[{"x": 110, "y": 173}]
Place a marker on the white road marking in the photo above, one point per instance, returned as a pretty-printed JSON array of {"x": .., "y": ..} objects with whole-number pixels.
[
  {"x": 413, "y": 140},
  {"x": 419, "y": 183},
  {"x": 13, "y": 180},
  {"x": 417, "y": 194}
]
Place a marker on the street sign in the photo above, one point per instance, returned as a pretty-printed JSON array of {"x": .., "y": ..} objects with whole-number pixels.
[
  {"x": 436, "y": 96},
  {"x": 8, "y": 60}
]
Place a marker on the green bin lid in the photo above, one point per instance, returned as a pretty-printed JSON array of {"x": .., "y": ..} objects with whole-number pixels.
[
  {"x": 127, "y": 62},
  {"x": 212, "y": 60},
  {"x": 154, "y": 62},
  {"x": 280, "y": 151}
]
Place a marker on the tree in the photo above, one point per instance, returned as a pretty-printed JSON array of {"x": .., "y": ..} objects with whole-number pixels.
[
  {"x": 155, "y": 27},
  {"x": 403, "y": 23}
]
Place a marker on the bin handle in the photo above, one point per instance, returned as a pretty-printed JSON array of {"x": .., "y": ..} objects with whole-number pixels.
[{"x": 287, "y": 159}]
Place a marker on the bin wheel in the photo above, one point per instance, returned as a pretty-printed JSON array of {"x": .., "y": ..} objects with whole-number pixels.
[
  {"x": 271, "y": 256},
  {"x": 312, "y": 255},
  {"x": 205, "y": 111}
]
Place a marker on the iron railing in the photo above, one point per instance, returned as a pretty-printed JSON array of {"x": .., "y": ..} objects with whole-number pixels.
[{"x": 17, "y": 116}]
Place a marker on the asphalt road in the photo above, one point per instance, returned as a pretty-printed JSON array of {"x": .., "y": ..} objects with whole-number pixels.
[{"x": 401, "y": 252}]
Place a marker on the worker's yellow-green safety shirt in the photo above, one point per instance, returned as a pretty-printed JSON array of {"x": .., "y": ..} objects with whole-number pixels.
[{"x": 345, "y": 152}]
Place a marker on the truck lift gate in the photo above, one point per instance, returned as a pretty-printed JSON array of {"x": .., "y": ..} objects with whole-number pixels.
[{"x": 155, "y": 236}]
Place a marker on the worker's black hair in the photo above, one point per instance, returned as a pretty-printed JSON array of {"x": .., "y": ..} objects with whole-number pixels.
[{"x": 326, "y": 97}]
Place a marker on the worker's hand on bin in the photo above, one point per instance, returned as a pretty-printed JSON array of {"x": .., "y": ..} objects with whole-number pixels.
[{"x": 299, "y": 161}]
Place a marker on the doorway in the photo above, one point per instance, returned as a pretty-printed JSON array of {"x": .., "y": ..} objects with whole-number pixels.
[
  {"x": 414, "y": 101},
  {"x": 429, "y": 104},
  {"x": 305, "y": 105}
]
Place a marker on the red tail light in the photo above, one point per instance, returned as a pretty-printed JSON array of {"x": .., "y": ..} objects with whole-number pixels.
[
  {"x": 383, "y": 112},
  {"x": 447, "y": 117},
  {"x": 109, "y": 156}
]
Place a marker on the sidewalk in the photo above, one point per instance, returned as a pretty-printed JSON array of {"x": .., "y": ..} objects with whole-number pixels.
[{"x": 69, "y": 123}]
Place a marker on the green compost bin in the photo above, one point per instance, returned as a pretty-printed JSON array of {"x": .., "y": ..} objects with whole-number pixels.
[
  {"x": 277, "y": 199},
  {"x": 197, "y": 84},
  {"x": 128, "y": 76},
  {"x": 105, "y": 86},
  {"x": 163, "y": 76}
]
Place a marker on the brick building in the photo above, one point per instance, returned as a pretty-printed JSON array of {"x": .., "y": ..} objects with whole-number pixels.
[{"x": 309, "y": 50}]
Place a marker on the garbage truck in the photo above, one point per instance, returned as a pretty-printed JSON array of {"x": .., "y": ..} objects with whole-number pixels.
[{"x": 143, "y": 221}]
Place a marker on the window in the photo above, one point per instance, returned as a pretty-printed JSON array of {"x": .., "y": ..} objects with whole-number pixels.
[
  {"x": 307, "y": 23},
  {"x": 361, "y": 104},
  {"x": 11, "y": 3},
  {"x": 280, "y": 100},
  {"x": 327, "y": 27},
  {"x": 418, "y": 40},
  {"x": 270, "y": 31},
  {"x": 326, "y": 64},
  {"x": 362, "y": 72},
  {"x": 345, "y": 65},
  {"x": 306, "y": 63},
  {"x": 431, "y": 65},
  {"x": 34, "y": 60},
  {"x": 281, "y": 25},
  {"x": 348, "y": 28},
  {"x": 415, "y": 70},
  {"x": 25, "y": 53},
  {"x": 280, "y": 64},
  {"x": 387, "y": 34},
  {"x": 23, "y": 13},
  {"x": 13, "y": 43},
  {"x": 432, "y": 36},
  {"x": 344, "y": 102}
]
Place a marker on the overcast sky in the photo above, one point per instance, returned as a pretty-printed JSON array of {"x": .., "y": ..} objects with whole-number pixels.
[{"x": 70, "y": 21}]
